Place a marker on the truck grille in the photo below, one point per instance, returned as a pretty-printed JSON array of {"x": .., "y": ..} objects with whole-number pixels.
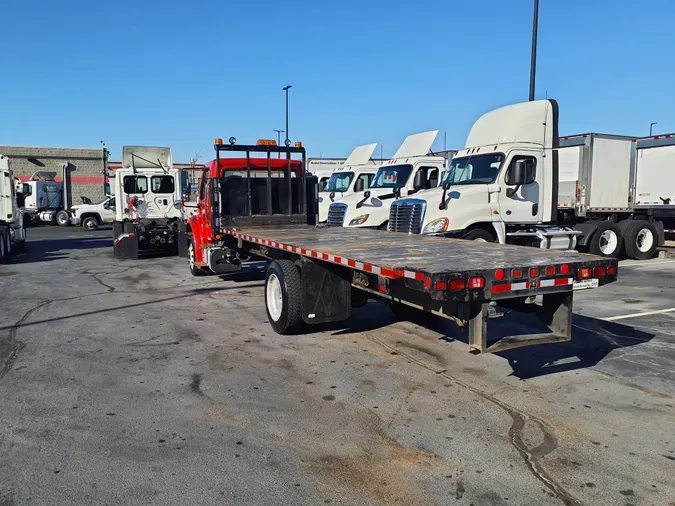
[
  {"x": 336, "y": 214},
  {"x": 406, "y": 216}
]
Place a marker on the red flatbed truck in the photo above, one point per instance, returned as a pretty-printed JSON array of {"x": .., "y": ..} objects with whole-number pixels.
[{"x": 258, "y": 207}]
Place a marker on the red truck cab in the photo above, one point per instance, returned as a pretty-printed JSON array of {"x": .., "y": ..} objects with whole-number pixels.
[{"x": 242, "y": 188}]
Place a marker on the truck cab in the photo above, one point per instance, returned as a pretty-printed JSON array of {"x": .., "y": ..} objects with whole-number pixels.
[
  {"x": 12, "y": 226},
  {"x": 501, "y": 187},
  {"x": 148, "y": 197},
  {"x": 354, "y": 176},
  {"x": 260, "y": 190},
  {"x": 407, "y": 173}
]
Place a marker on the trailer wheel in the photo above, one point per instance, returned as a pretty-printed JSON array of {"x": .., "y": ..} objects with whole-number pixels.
[
  {"x": 195, "y": 270},
  {"x": 640, "y": 239},
  {"x": 606, "y": 241},
  {"x": 62, "y": 218},
  {"x": 479, "y": 235},
  {"x": 283, "y": 296}
]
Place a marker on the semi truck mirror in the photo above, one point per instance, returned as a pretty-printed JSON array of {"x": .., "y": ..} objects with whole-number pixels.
[
  {"x": 517, "y": 174},
  {"x": 358, "y": 186},
  {"x": 418, "y": 182},
  {"x": 366, "y": 194}
]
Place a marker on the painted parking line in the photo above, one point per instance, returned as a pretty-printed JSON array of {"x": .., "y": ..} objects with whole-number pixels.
[
  {"x": 644, "y": 263},
  {"x": 636, "y": 315}
]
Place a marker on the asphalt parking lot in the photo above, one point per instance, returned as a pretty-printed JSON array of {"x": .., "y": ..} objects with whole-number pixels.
[{"x": 131, "y": 382}]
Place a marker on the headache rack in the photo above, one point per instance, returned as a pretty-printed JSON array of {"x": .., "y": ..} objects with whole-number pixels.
[{"x": 279, "y": 199}]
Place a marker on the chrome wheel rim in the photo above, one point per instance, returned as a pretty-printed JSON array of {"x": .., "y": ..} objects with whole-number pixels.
[{"x": 274, "y": 298}]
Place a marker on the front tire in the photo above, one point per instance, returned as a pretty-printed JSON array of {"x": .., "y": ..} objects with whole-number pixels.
[
  {"x": 195, "y": 270},
  {"x": 283, "y": 296},
  {"x": 606, "y": 241},
  {"x": 640, "y": 239},
  {"x": 479, "y": 235},
  {"x": 90, "y": 223},
  {"x": 62, "y": 219}
]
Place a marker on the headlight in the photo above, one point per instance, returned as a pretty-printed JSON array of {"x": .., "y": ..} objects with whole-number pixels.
[
  {"x": 436, "y": 226},
  {"x": 359, "y": 220}
]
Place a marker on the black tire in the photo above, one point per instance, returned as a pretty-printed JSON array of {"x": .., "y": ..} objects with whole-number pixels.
[
  {"x": 640, "y": 239},
  {"x": 480, "y": 235},
  {"x": 289, "y": 316},
  {"x": 195, "y": 270},
  {"x": 90, "y": 223},
  {"x": 62, "y": 218},
  {"x": 4, "y": 254},
  {"x": 606, "y": 240},
  {"x": 183, "y": 244},
  {"x": 384, "y": 226}
]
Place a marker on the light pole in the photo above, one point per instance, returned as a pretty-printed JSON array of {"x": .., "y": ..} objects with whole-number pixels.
[
  {"x": 286, "y": 88},
  {"x": 651, "y": 126},
  {"x": 279, "y": 132},
  {"x": 533, "y": 60}
]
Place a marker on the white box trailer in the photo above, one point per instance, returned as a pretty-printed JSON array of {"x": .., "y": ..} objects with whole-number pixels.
[{"x": 654, "y": 188}]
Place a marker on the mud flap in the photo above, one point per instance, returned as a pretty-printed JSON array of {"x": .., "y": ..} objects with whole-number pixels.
[
  {"x": 125, "y": 240},
  {"x": 326, "y": 294}
]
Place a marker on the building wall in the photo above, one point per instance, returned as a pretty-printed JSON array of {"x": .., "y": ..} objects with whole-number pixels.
[{"x": 85, "y": 173}]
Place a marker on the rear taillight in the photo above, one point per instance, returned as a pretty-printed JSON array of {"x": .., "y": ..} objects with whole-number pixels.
[
  {"x": 440, "y": 285},
  {"x": 550, "y": 271},
  {"x": 517, "y": 274},
  {"x": 564, "y": 269},
  {"x": 584, "y": 272},
  {"x": 500, "y": 274},
  {"x": 456, "y": 285},
  {"x": 534, "y": 273},
  {"x": 599, "y": 272},
  {"x": 611, "y": 270},
  {"x": 476, "y": 282}
]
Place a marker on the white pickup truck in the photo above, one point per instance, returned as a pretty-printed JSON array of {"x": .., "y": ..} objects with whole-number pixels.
[{"x": 91, "y": 216}]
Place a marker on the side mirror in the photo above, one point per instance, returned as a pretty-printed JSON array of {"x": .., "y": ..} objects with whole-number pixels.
[
  {"x": 420, "y": 180},
  {"x": 517, "y": 174},
  {"x": 331, "y": 195},
  {"x": 358, "y": 186},
  {"x": 177, "y": 203}
]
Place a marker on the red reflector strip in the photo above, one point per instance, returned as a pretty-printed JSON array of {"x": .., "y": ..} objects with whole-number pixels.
[
  {"x": 427, "y": 283},
  {"x": 502, "y": 288}
]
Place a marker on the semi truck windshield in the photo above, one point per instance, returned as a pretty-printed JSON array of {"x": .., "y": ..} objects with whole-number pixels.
[
  {"x": 339, "y": 182},
  {"x": 393, "y": 176},
  {"x": 481, "y": 169}
]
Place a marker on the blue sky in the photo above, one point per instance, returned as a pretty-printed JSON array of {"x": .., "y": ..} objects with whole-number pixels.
[{"x": 180, "y": 73}]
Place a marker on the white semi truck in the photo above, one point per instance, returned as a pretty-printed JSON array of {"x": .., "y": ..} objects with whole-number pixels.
[
  {"x": 354, "y": 176},
  {"x": 12, "y": 226},
  {"x": 530, "y": 187},
  {"x": 323, "y": 168},
  {"x": 148, "y": 193},
  {"x": 411, "y": 170}
]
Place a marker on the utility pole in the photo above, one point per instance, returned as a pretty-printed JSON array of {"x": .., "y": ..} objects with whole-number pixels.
[
  {"x": 279, "y": 132},
  {"x": 651, "y": 126},
  {"x": 533, "y": 61},
  {"x": 286, "y": 88}
]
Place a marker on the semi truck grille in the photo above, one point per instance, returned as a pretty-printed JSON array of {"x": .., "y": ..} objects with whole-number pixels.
[
  {"x": 336, "y": 214},
  {"x": 406, "y": 216}
]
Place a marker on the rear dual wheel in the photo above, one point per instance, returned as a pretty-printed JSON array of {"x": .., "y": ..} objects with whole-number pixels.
[
  {"x": 283, "y": 296},
  {"x": 640, "y": 239}
]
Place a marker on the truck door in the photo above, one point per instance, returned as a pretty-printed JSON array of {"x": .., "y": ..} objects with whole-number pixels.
[
  {"x": 524, "y": 204},
  {"x": 424, "y": 178}
]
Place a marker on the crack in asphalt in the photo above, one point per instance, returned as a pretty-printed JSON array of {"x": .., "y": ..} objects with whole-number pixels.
[
  {"x": 530, "y": 456},
  {"x": 105, "y": 285},
  {"x": 19, "y": 345}
]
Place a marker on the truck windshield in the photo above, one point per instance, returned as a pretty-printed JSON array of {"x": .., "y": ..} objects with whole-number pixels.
[
  {"x": 339, "y": 182},
  {"x": 393, "y": 176},
  {"x": 479, "y": 169}
]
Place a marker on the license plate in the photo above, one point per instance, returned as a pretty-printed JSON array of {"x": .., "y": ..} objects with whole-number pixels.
[{"x": 586, "y": 283}]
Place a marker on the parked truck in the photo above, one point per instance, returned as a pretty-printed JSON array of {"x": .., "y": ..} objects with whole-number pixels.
[
  {"x": 536, "y": 189},
  {"x": 252, "y": 207},
  {"x": 323, "y": 168},
  {"x": 410, "y": 170},
  {"x": 12, "y": 226},
  {"x": 148, "y": 195},
  {"x": 354, "y": 176}
]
